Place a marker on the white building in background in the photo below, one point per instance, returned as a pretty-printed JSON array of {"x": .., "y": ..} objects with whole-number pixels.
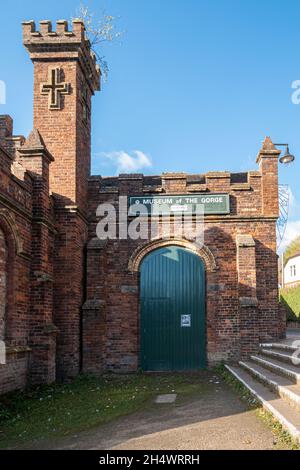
[{"x": 292, "y": 271}]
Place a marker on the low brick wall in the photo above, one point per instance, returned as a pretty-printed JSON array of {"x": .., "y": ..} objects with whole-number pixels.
[
  {"x": 14, "y": 374},
  {"x": 293, "y": 324}
]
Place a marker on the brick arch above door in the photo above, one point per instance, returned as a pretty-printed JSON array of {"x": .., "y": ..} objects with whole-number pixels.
[{"x": 203, "y": 252}]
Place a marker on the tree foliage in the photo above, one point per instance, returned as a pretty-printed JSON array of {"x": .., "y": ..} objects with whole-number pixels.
[
  {"x": 290, "y": 298},
  {"x": 292, "y": 249}
]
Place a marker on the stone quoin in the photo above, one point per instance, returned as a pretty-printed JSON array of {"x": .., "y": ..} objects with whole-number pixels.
[{"x": 70, "y": 302}]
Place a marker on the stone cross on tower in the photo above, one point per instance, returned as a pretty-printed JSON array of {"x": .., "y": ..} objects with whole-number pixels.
[{"x": 55, "y": 89}]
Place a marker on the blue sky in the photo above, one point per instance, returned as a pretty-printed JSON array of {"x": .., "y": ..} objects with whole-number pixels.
[{"x": 194, "y": 85}]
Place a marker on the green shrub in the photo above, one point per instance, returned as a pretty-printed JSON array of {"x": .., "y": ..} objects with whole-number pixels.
[
  {"x": 290, "y": 298},
  {"x": 292, "y": 250}
]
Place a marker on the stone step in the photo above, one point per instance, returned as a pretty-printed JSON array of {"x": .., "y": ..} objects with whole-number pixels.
[
  {"x": 281, "y": 356},
  {"x": 279, "y": 346},
  {"x": 278, "y": 407},
  {"x": 284, "y": 387},
  {"x": 286, "y": 370}
]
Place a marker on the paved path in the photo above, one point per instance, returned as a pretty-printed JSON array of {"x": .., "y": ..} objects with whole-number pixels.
[
  {"x": 215, "y": 420},
  {"x": 292, "y": 335}
]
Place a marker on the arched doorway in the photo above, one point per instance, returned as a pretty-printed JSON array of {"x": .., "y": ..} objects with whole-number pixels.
[{"x": 172, "y": 302}]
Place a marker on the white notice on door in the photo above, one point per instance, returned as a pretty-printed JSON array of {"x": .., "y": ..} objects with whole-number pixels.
[{"x": 185, "y": 320}]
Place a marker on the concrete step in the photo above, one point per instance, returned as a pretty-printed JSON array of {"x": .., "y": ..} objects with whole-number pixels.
[
  {"x": 278, "y": 407},
  {"x": 288, "y": 348},
  {"x": 286, "y": 370},
  {"x": 281, "y": 356},
  {"x": 283, "y": 386}
]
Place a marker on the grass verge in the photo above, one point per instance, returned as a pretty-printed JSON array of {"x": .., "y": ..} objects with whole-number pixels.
[
  {"x": 290, "y": 298},
  {"x": 267, "y": 417},
  {"x": 58, "y": 410}
]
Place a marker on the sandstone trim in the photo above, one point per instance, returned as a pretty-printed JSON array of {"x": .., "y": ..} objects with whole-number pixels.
[{"x": 204, "y": 253}]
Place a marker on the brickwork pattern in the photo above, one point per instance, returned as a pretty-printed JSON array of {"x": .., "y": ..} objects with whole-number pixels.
[
  {"x": 66, "y": 132},
  {"x": 241, "y": 292},
  {"x": 3, "y": 284},
  {"x": 72, "y": 300},
  {"x": 15, "y": 226}
]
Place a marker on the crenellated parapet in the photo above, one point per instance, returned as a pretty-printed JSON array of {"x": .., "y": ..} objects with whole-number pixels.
[
  {"x": 66, "y": 76},
  {"x": 221, "y": 181},
  {"x": 62, "y": 43},
  {"x": 8, "y": 141},
  {"x": 244, "y": 189}
]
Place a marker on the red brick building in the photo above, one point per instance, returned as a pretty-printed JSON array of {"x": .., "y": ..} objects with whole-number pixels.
[{"x": 70, "y": 301}]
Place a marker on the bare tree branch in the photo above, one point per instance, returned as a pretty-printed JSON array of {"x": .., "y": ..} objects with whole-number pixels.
[{"x": 99, "y": 32}]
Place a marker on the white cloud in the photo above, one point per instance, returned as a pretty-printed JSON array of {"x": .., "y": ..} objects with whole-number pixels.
[
  {"x": 128, "y": 163},
  {"x": 292, "y": 231}
]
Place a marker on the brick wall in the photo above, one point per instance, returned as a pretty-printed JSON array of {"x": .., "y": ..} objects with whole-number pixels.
[
  {"x": 71, "y": 299},
  {"x": 15, "y": 229},
  {"x": 241, "y": 293},
  {"x": 66, "y": 131},
  {"x": 3, "y": 284}
]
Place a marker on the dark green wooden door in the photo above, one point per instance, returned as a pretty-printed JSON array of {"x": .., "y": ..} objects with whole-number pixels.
[{"x": 172, "y": 311}]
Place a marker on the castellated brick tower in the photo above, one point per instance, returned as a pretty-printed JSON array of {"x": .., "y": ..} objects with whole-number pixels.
[{"x": 66, "y": 76}]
